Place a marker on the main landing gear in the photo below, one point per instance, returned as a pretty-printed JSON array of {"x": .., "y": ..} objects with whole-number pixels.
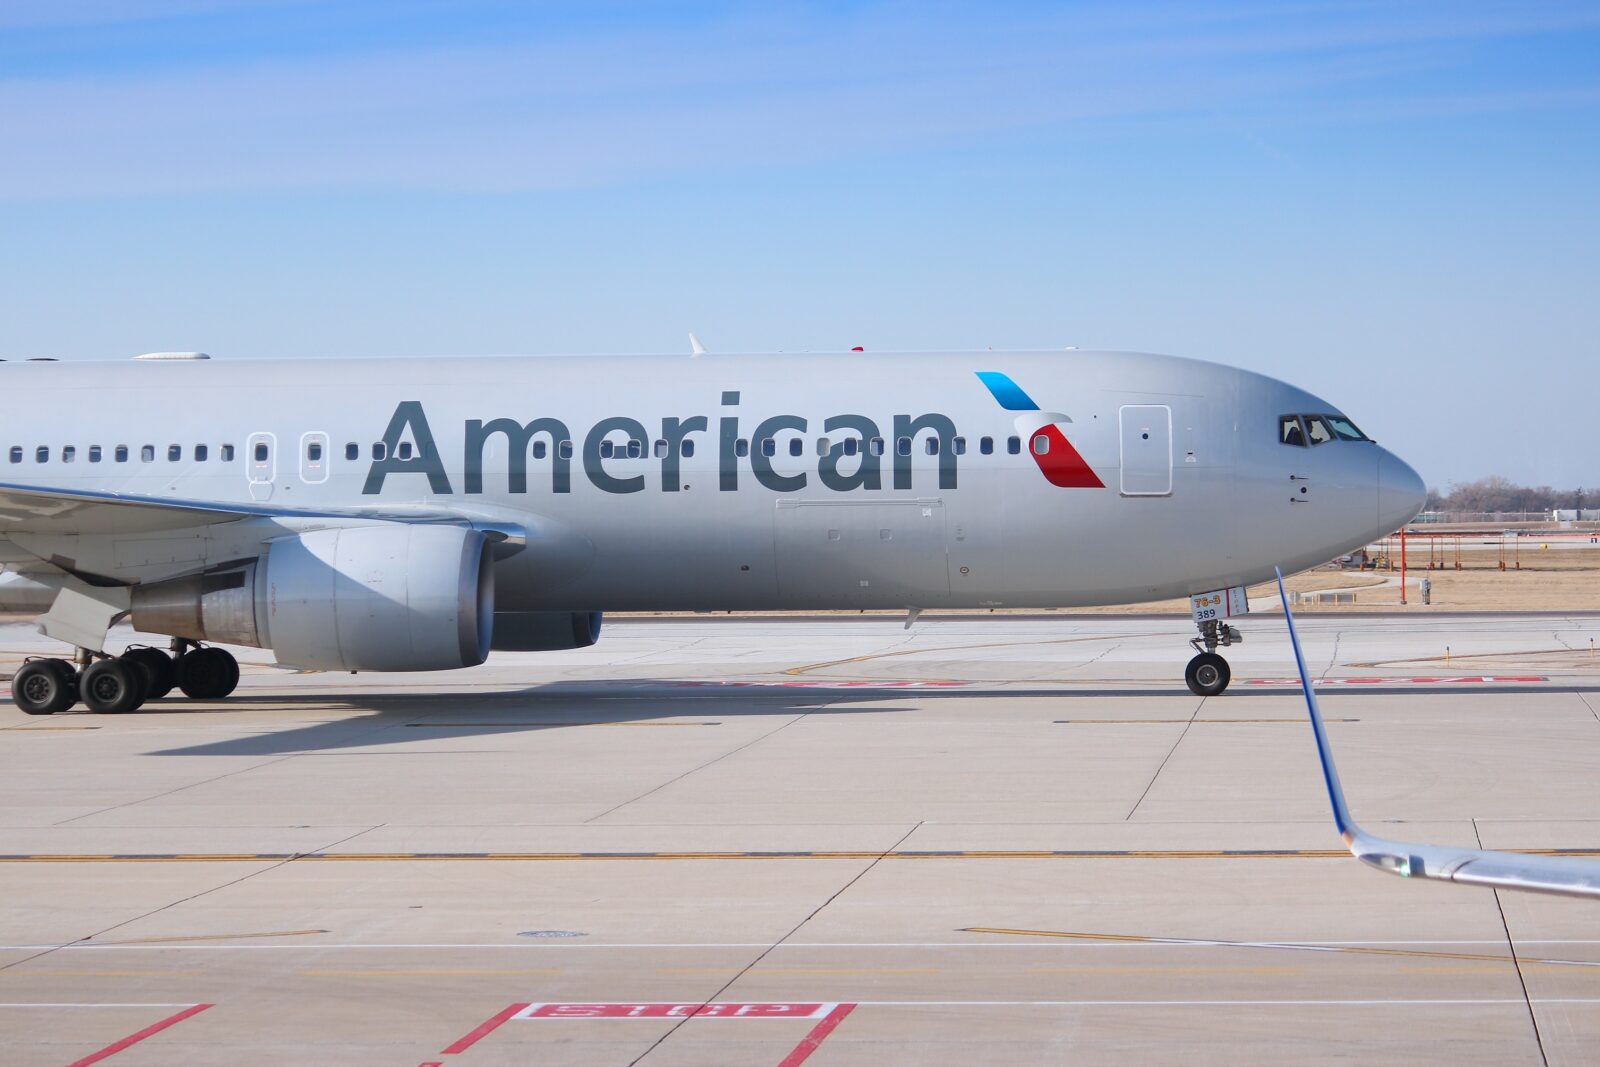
[
  {"x": 1208, "y": 673},
  {"x": 117, "y": 684}
]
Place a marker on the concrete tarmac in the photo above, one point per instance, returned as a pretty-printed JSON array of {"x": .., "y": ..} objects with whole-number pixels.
[{"x": 831, "y": 841}]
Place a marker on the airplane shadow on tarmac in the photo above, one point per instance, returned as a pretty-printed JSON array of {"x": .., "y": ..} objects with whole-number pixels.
[{"x": 401, "y": 718}]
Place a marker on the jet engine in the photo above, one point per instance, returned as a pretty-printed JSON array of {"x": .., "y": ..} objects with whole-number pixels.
[{"x": 371, "y": 598}]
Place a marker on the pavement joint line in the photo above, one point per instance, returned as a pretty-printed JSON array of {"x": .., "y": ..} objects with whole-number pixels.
[{"x": 779, "y": 943}]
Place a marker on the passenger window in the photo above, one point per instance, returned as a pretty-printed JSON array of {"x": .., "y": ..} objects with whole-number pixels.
[
  {"x": 902, "y": 446},
  {"x": 352, "y": 451},
  {"x": 661, "y": 449},
  {"x": 379, "y": 450},
  {"x": 1014, "y": 445},
  {"x": 200, "y": 453},
  {"x": 121, "y": 454},
  {"x": 1290, "y": 431},
  {"x": 174, "y": 453},
  {"x": 564, "y": 450},
  {"x": 875, "y": 446},
  {"x": 261, "y": 452},
  {"x": 227, "y": 454},
  {"x": 607, "y": 449},
  {"x": 16, "y": 453},
  {"x": 313, "y": 452},
  {"x": 405, "y": 450},
  {"x": 687, "y": 448},
  {"x": 960, "y": 445},
  {"x": 94, "y": 453},
  {"x": 986, "y": 445},
  {"x": 635, "y": 449},
  {"x": 769, "y": 447},
  {"x": 539, "y": 450},
  {"x": 42, "y": 454},
  {"x": 68, "y": 454},
  {"x": 932, "y": 446},
  {"x": 1041, "y": 445},
  {"x": 1317, "y": 430},
  {"x": 797, "y": 447},
  {"x": 822, "y": 446},
  {"x": 851, "y": 445},
  {"x": 741, "y": 448}
]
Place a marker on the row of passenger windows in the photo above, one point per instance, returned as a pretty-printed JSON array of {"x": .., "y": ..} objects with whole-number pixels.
[
  {"x": 121, "y": 453},
  {"x": 768, "y": 446},
  {"x": 634, "y": 449},
  {"x": 1306, "y": 430}
]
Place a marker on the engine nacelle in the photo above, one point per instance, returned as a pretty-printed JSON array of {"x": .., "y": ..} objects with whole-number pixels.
[
  {"x": 370, "y": 598},
  {"x": 545, "y": 631}
]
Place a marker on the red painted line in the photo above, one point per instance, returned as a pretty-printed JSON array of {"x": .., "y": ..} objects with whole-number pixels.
[
  {"x": 133, "y": 1039},
  {"x": 818, "y": 1034},
  {"x": 484, "y": 1028}
]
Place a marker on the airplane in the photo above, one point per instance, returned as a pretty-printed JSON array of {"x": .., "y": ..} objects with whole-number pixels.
[
  {"x": 417, "y": 514},
  {"x": 1561, "y": 875}
]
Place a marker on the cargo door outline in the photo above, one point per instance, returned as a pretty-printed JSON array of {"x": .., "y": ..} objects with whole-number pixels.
[
  {"x": 862, "y": 552},
  {"x": 1145, "y": 431}
]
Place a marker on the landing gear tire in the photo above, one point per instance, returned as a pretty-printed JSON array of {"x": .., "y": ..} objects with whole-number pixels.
[
  {"x": 207, "y": 673},
  {"x": 159, "y": 672},
  {"x": 111, "y": 686},
  {"x": 1207, "y": 674},
  {"x": 44, "y": 687}
]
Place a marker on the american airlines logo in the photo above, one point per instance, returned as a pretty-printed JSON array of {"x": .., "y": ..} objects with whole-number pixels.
[
  {"x": 850, "y": 454},
  {"x": 1058, "y": 461}
]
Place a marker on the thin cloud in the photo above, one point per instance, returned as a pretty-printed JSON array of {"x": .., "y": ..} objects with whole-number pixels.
[{"x": 585, "y": 106}]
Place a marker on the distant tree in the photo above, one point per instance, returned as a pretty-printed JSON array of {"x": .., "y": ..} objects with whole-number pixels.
[{"x": 1498, "y": 494}]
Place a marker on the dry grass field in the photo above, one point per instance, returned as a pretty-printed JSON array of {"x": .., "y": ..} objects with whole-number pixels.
[{"x": 1562, "y": 577}]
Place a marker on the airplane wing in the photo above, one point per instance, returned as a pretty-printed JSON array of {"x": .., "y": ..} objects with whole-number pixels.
[
  {"x": 32, "y": 509},
  {"x": 1565, "y": 875}
]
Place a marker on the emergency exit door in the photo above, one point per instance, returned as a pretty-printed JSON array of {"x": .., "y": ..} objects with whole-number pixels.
[{"x": 1146, "y": 449}]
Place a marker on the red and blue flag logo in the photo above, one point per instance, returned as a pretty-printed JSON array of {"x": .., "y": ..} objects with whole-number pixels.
[{"x": 1041, "y": 434}]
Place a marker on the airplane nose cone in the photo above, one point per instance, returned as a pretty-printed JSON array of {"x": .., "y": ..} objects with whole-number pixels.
[{"x": 1401, "y": 493}]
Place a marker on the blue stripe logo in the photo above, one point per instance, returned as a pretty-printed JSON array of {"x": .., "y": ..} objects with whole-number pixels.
[{"x": 1006, "y": 391}]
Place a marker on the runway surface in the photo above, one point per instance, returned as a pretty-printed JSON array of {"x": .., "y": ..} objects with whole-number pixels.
[{"x": 822, "y": 841}]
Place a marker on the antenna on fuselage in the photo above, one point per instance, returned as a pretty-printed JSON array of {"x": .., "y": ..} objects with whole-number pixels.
[{"x": 696, "y": 349}]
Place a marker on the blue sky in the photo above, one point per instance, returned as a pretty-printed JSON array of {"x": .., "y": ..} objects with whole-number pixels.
[{"x": 1394, "y": 205}]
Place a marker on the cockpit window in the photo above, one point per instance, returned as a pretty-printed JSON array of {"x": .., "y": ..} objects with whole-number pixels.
[
  {"x": 1344, "y": 429},
  {"x": 1302, "y": 431},
  {"x": 1317, "y": 430}
]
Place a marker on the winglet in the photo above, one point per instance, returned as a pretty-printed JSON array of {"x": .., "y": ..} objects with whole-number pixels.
[
  {"x": 1565, "y": 875},
  {"x": 1330, "y": 774},
  {"x": 696, "y": 349}
]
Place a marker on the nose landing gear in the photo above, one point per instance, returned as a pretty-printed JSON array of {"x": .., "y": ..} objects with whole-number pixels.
[
  {"x": 1208, "y": 673},
  {"x": 118, "y": 684}
]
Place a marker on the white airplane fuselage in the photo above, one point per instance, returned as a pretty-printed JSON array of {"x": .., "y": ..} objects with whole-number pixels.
[{"x": 1195, "y": 489}]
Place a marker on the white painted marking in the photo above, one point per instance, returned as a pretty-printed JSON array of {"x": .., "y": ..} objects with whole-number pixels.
[{"x": 562, "y": 946}]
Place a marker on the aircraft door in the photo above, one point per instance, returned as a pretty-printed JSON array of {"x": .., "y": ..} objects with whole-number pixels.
[
  {"x": 261, "y": 464},
  {"x": 1146, "y": 431}
]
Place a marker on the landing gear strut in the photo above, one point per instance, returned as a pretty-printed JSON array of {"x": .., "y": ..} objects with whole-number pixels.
[
  {"x": 119, "y": 684},
  {"x": 1208, "y": 673}
]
